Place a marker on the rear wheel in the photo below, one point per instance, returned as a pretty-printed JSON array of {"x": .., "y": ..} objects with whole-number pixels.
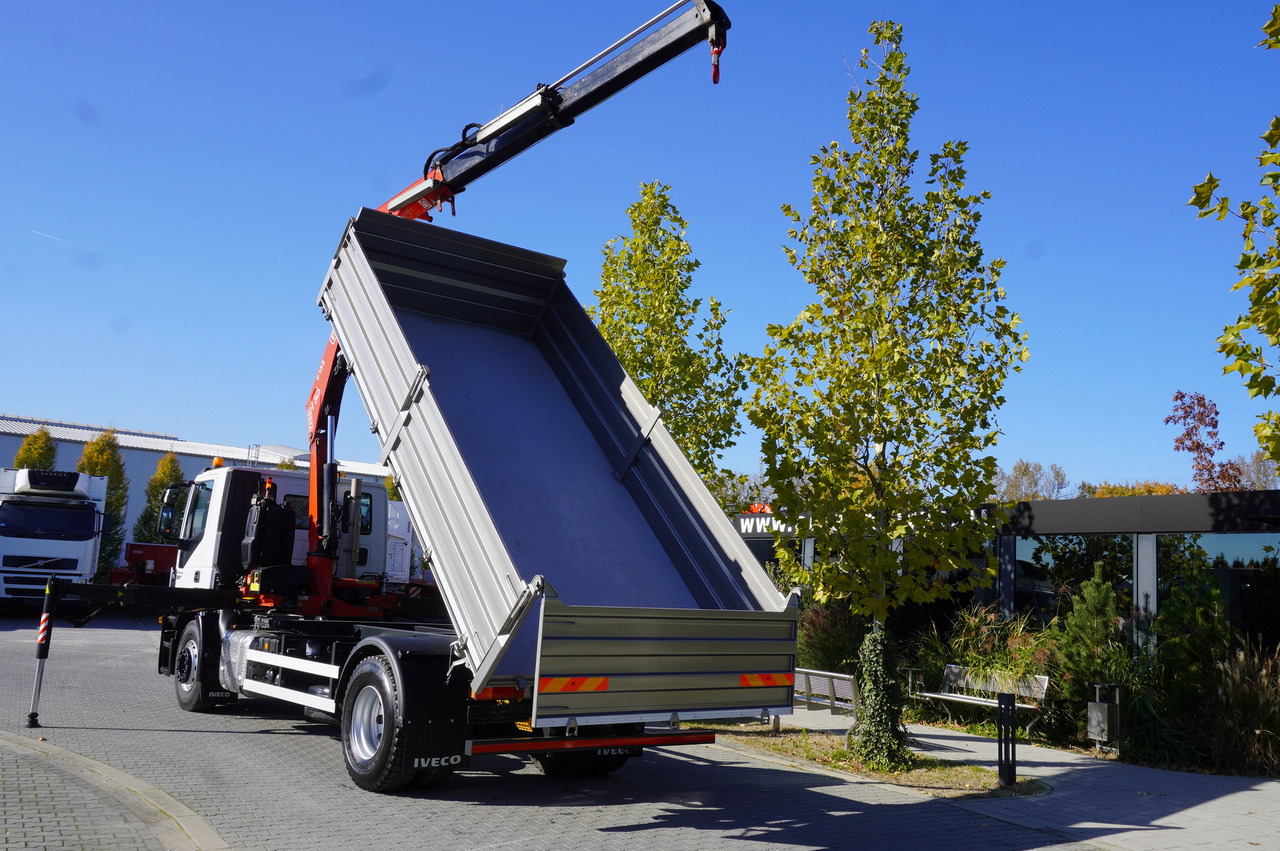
[
  {"x": 566, "y": 763},
  {"x": 188, "y": 678},
  {"x": 587, "y": 763},
  {"x": 608, "y": 764},
  {"x": 373, "y": 737}
]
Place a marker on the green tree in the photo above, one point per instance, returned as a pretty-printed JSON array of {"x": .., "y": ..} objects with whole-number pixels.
[
  {"x": 1257, "y": 471},
  {"x": 101, "y": 457},
  {"x": 1249, "y": 344},
  {"x": 876, "y": 404},
  {"x": 1093, "y": 647},
  {"x": 168, "y": 472},
  {"x": 37, "y": 451},
  {"x": 1028, "y": 480},
  {"x": 672, "y": 350}
]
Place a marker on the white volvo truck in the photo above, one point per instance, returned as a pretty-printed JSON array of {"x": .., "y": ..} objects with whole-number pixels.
[{"x": 50, "y": 525}]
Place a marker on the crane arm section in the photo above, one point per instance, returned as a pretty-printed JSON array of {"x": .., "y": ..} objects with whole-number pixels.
[
  {"x": 323, "y": 406},
  {"x": 483, "y": 148}
]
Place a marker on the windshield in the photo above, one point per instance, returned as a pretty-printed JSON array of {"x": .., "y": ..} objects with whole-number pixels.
[
  {"x": 197, "y": 512},
  {"x": 45, "y": 520}
]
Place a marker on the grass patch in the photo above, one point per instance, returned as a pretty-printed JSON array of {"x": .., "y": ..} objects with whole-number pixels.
[{"x": 938, "y": 777}]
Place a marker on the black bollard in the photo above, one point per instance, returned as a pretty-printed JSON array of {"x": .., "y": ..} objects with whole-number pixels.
[
  {"x": 1006, "y": 739},
  {"x": 45, "y": 631}
]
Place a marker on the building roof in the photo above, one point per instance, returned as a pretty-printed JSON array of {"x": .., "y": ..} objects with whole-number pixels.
[
  {"x": 267, "y": 456},
  {"x": 1181, "y": 513}
]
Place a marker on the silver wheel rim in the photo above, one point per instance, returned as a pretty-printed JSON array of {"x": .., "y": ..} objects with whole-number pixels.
[
  {"x": 366, "y": 724},
  {"x": 187, "y": 671}
]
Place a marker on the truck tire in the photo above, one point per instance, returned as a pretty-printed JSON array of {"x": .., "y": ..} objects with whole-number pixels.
[
  {"x": 571, "y": 763},
  {"x": 373, "y": 739},
  {"x": 578, "y": 764},
  {"x": 566, "y": 764},
  {"x": 188, "y": 680},
  {"x": 608, "y": 764}
]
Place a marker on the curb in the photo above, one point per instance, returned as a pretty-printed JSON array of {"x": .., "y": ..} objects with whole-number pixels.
[{"x": 175, "y": 825}]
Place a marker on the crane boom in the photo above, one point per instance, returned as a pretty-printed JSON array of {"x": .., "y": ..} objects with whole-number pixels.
[{"x": 483, "y": 148}]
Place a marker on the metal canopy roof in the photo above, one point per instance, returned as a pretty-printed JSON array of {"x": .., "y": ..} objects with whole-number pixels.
[{"x": 1187, "y": 513}]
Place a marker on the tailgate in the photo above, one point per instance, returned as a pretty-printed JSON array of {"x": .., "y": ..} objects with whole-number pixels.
[{"x": 608, "y": 665}]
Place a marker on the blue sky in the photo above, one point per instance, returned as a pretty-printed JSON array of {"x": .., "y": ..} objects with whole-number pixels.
[{"x": 176, "y": 176}]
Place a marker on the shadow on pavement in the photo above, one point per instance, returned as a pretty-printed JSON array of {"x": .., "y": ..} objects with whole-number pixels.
[{"x": 123, "y": 714}]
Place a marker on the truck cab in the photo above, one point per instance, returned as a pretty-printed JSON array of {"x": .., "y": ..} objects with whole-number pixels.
[
  {"x": 50, "y": 525},
  {"x": 215, "y": 527}
]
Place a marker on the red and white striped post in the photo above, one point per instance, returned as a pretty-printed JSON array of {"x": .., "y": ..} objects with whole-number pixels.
[{"x": 51, "y": 594}]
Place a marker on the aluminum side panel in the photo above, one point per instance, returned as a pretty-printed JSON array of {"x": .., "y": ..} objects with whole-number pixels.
[{"x": 473, "y": 571}]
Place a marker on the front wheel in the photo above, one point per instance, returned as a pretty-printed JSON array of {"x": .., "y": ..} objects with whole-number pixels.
[
  {"x": 373, "y": 735},
  {"x": 192, "y": 691}
]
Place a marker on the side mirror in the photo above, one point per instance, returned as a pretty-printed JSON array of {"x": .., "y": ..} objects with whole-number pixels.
[
  {"x": 166, "y": 522},
  {"x": 172, "y": 500}
]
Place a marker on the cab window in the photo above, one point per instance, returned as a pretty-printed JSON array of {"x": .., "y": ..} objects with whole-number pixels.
[
  {"x": 197, "y": 512},
  {"x": 301, "y": 505}
]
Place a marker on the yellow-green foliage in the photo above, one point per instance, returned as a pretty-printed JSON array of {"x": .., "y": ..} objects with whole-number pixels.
[
  {"x": 102, "y": 457},
  {"x": 37, "y": 451}
]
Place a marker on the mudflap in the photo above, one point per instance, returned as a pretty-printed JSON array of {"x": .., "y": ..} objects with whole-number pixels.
[
  {"x": 171, "y": 627},
  {"x": 440, "y": 745},
  {"x": 434, "y": 706}
]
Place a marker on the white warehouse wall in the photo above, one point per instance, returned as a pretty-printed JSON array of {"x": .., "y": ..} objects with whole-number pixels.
[{"x": 142, "y": 451}]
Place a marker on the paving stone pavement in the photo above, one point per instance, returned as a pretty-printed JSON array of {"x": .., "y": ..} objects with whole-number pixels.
[{"x": 120, "y": 766}]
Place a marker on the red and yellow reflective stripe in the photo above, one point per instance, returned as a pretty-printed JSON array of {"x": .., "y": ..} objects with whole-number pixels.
[
  {"x": 759, "y": 680},
  {"x": 548, "y": 685}
]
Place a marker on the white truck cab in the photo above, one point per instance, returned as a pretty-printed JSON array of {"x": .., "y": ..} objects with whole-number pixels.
[
  {"x": 211, "y": 536},
  {"x": 50, "y": 525}
]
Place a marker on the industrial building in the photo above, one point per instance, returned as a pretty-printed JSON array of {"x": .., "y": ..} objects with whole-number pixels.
[{"x": 142, "y": 451}]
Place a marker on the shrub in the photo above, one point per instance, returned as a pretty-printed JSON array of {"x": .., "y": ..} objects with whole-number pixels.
[
  {"x": 983, "y": 639},
  {"x": 1174, "y": 672},
  {"x": 1193, "y": 636},
  {"x": 828, "y": 637},
  {"x": 1152, "y": 737},
  {"x": 1245, "y": 708}
]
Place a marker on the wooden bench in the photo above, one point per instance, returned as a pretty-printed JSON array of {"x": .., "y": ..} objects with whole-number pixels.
[{"x": 963, "y": 685}]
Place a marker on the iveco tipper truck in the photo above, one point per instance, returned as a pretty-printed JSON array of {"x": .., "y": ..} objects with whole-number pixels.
[{"x": 589, "y": 594}]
